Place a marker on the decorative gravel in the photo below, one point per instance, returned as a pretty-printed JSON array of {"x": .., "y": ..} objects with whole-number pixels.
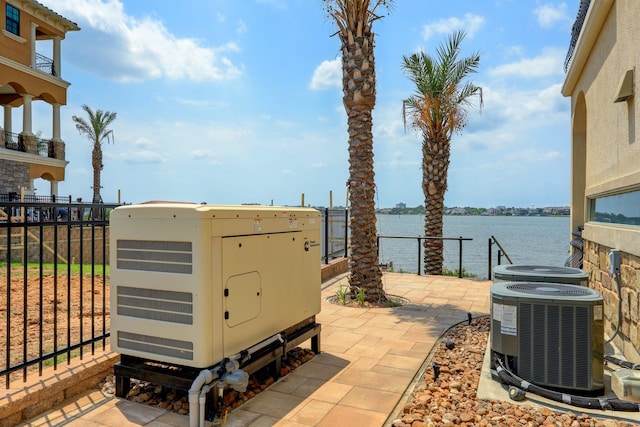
[
  {"x": 450, "y": 400},
  {"x": 176, "y": 400}
]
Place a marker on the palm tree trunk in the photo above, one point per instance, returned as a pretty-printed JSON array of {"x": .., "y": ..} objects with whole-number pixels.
[
  {"x": 435, "y": 167},
  {"x": 363, "y": 262},
  {"x": 96, "y": 162},
  {"x": 359, "y": 98}
]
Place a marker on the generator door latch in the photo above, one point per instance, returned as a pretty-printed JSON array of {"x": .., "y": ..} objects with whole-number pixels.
[
  {"x": 226, "y": 315},
  {"x": 226, "y": 292}
]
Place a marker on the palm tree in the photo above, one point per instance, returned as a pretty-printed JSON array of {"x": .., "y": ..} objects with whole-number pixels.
[
  {"x": 97, "y": 131},
  {"x": 354, "y": 19},
  {"x": 437, "y": 109}
]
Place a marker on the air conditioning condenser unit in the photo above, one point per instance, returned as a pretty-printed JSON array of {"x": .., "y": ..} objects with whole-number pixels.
[
  {"x": 540, "y": 273},
  {"x": 550, "y": 334}
]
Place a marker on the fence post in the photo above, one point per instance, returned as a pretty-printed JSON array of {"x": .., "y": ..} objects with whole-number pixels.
[
  {"x": 8, "y": 306},
  {"x": 326, "y": 235},
  {"x": 489, "y": 264},
  {"x": 419, "y": 253},
  {"x": 346, "y": 232},
  {"x": 460, "y": 262}
]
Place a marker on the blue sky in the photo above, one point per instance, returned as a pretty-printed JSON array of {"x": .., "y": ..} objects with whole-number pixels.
[{"x": 228, "y": 101}]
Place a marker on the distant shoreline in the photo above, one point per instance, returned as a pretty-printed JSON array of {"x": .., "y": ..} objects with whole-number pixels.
[
  {"x": 471, "y": 211},
  {"x": 546, "y": 215}
]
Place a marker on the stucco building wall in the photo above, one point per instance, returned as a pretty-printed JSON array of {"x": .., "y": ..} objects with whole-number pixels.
[{"x": 606, "y": 157}]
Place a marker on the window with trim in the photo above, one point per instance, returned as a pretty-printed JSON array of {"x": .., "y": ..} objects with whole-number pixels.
[
  {"x": 13, "y": 20},
  {"x": 623, "y": 208}
]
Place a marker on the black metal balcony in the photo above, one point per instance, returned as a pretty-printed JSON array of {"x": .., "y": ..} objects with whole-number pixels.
[
  {"x": 14, "y": 141},
  {"x": 45, "y": 64},
  {"x": 575, "y": 31}
]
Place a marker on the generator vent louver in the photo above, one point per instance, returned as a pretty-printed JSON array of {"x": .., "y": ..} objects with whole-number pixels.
[
  {"x": 156, "y": 345},
  {"x": 155, "y": 255},
  {"x": 154, "y": 304}
]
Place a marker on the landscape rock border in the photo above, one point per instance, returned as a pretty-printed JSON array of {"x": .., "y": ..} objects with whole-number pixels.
[{"x": 445, "y": 392}]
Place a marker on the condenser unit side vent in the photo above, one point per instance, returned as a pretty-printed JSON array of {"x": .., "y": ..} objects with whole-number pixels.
[
  {"x": 156, "y": 345},
  {"x": 549, "y": 350},
  {"x": 155, "y": 256},
  {"x": 154, "y": 304}
]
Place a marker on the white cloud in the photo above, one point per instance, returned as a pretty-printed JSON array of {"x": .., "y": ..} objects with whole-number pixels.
[
  {"x": 142, "y": 150},
  {"x": 241, "y": 27},
  {"x": 194, "y": 102},
  {"x": 525, "y": 108},
  {"x": 535, "y": 156},
  {"x": 139, "y": 156},
  {"x": 548, "y": 63},
  {"x": 134, "y": 49},
  {"x": 206, "y": 155},
  {"x": 549, "y": 14},
  {"x": 328, "y": 74},
  {"x": 470, "y": 23}
]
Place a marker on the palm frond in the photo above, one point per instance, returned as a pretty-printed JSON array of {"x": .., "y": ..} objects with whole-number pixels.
[{"x": 440, "y": 87}]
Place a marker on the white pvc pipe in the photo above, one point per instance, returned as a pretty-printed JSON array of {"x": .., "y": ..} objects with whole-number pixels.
[
  {"x": 202, "y": 403},
  {"x": 205, "y": 377}
]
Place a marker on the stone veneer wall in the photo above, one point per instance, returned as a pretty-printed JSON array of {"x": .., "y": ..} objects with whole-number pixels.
[
  {"x": 596, "y": 263},
  {"x": 14, "y": 176}
]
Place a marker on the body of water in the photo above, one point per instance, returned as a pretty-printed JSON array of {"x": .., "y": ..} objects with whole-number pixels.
[{"x": 526, "y": 239}]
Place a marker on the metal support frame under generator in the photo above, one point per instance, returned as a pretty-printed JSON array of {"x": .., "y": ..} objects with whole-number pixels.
[{"x": 182, "y": 377}]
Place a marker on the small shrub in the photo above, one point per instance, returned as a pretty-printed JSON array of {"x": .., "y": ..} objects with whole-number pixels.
[
  {"x": 465, "y": 273},
  {"x": 360, "y": 296},
  {"x": 341, "y": 294}
]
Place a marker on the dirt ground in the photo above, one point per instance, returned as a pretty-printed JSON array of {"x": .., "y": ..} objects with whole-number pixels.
[{"x": 49, "y": 309}]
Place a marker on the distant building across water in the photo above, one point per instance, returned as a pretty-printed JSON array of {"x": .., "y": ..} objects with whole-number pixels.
[{"x": 402, "y": 209}]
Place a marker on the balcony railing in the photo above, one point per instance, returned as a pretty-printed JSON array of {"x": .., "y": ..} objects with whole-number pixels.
[
  {"x": 45, "y": 64},
  {"x": 45, "y": 148},
  {"x": 14, "y": 141},
  {"x": 575, "y": 31}
]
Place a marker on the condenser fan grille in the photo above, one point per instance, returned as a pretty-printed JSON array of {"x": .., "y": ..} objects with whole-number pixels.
[{"x": 549, "y": 289}]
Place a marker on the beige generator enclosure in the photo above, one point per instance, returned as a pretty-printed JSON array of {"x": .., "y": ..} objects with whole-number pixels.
[{"x": 192, "y": 284}]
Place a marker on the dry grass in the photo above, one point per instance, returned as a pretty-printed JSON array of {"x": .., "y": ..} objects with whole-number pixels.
[{"x": 42, "y": 304}]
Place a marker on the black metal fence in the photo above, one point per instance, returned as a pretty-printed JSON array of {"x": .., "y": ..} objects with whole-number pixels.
[
  {"x": 421, "y": 240},
  {"x": 334, "y": 232},
  {"x": 54, "y": 292},
  {"x": 53, "y": 287}
]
